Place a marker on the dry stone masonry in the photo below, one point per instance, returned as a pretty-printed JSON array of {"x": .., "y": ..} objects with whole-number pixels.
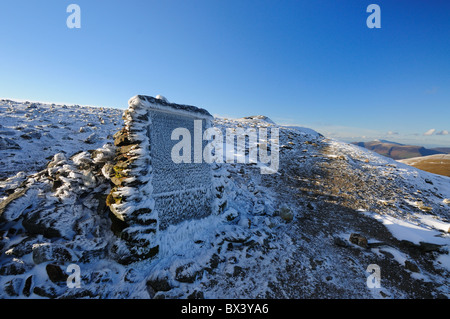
[{"x": 151, "y": 191}]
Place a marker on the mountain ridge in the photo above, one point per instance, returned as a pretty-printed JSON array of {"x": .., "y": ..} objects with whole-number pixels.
[{"x": 398, "y": 151}]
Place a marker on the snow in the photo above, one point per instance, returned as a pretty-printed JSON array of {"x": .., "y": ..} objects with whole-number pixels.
[
  {"x": 40, "y": 130},
  {"x": 248, "y": 250},
  {"x": 415, "y": 233}
]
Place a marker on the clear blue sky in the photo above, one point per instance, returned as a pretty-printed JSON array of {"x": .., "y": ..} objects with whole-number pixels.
[{"x": 313, "y": 63}]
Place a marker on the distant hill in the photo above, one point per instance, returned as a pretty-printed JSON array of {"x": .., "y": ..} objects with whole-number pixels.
[
  {"x": 445, "y": 150},
  {"x": 400, "y": 151},
  {"x": 437, "y": 164}
]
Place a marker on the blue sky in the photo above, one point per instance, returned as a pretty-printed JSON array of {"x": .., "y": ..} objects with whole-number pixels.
[{"x": 312, "y": 63}]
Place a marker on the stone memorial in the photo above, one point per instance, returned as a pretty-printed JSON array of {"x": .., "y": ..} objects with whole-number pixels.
[{"x": 152, "y": 191}]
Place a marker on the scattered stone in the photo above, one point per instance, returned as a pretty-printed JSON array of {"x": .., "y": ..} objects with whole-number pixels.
[
  {"x": 101, "y": 276},
  {"x": 214, "y": 262},
  {"x": 40, "y": 222},
  {"x": 91, "y": 139},
  {"x": 340, "y": 242},
  {"x": 187, "y": 273},
  {"x": 131, "y": 276},
  {"x": 14, "y": 267},
  {"x": 429, "y": 247},
  {"x": 159, "y": 284},
  {"x": 230, "y": 214},
  {"x": 237, "y": 235},
  {"x": 411, "y": 266},
  {"x": 55, "y": 273},
  {"x": 9, "y": 214},
  {"x": 196, "y": 295},
  {"x": 359, "y": 240},
  {"x": 286, "y": 214},
  {"x": 8, "y": 144},
  {"x": 51, "y": 252},
  {"x": 47, "y": 292},
  {"x": 27, "y": 287},
  {"x": 31, "y": 135},
  {"x": 22, "y": 248},
  {"x": 12, "y": 287},
  {"x": 238, "y": 271}
]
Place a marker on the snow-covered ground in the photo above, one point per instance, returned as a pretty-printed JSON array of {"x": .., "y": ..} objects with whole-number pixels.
[
  {"x": 32, "y": 132},
  {"x": 283, "y": 235}
]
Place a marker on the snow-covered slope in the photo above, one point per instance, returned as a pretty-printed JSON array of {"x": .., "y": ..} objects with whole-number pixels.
[
  {"x": 309, "y": 231},
  {"x": 31, "y": 133}
]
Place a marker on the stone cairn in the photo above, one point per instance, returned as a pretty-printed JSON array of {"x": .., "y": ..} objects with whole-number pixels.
[{"x": 150, "y": 191}]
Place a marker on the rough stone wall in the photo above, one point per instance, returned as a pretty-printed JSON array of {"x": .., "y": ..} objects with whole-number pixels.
[{"x": 151, "y": 191}]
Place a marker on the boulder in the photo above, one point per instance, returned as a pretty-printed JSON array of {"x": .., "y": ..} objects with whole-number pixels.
[
  {"x": 359, "y": 240},
  {"x": 286, "y": 214},
  {"x": 411, "y": 266},
  {"x": 55, "y": 273}
]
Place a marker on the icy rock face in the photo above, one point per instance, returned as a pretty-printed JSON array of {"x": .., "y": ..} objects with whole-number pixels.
[{"x": 152, "y": 191}]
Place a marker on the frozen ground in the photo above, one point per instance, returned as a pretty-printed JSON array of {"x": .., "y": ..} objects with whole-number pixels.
[
  {"x": 31, "y": 133},
  {"x": 285, "y": 235}
]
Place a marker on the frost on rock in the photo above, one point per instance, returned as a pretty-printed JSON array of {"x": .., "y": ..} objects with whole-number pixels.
[{"x": 151, "y": 190}]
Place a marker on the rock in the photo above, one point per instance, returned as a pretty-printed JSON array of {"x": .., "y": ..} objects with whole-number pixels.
[
  {"x": 162, "y": 98},
  {"x": 340, "y": 242},
  {"x": 48, "y": 292},
  {"x": 8, "y": 144},
  {"x": 13, "y": 206},
  {"x": 187, "y": 273},
  {"x": 286, "y": 214},
  {"x": 196, "y": 295},
  {"x": 55, "y": 273},
  {"x": 238, "y": 271},
  {"x": 91, "y": 139},
  {"x": 101, "y": 276},
  {"x": 14, "y": 267},
  {"x": 12, "y": 287},
  {"x": 40, "y": 222},
  {"x": 238, "y": 234},
  {"x": 27, "y": 287},
  {"x": 429, "y": 247},
  {"x": 159, "y": 284},
  {"x": 359, "y": 240},
  {"x": 121, "y": 138},
  {"x": 84, "y": 129},
  {"x": 31, "y": 135},
  {"x": 51, "y": 252},
  {"x": 411, "y": 266},
  {"x": 22, "y": 248},
  {"x": 94, "y": 249},
  {"x": 79, "y": 293},
  {"x": 446, "y": 201},
  {"x": 132, "y": 276}
]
